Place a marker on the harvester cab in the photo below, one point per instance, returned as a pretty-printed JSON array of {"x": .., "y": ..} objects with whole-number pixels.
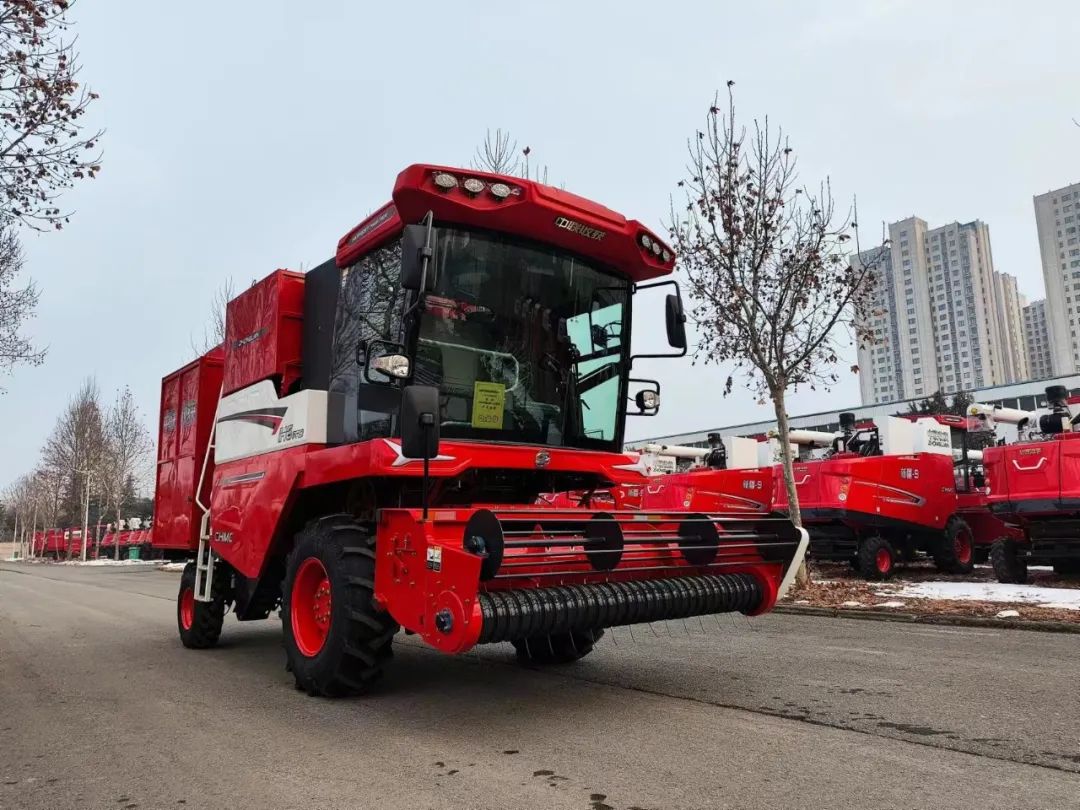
[
  {"x": 370, "y": 446},
  {"x": 1034, "y": 484}
]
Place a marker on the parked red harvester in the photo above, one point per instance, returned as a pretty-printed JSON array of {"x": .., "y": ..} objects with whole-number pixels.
[
  {"x": 388, "y": 422},
  {"x": 1035, "y": 484},
  {"x": 727, "y": 476},
  {"x": 884, "y": 493}
]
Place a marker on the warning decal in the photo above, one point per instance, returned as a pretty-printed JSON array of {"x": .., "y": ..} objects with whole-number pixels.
[{"x": 489, "y": 399}]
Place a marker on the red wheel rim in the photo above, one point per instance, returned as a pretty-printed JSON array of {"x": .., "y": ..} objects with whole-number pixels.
[
  {"x": 310, "y": 606},
  {"x": 962, "y": 547},
  {"x": 883, "y": 560},
  {"x": 187, "y": 608}
]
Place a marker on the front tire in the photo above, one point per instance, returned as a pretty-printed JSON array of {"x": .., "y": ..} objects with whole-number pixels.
[
  {"x": 558, "y": 648},
  {"x": 1009, "y": 565},
  {"x": 200, "y": 623},
  {"x": 877, "y": 558},
  {"x": 336, "y": 639}
]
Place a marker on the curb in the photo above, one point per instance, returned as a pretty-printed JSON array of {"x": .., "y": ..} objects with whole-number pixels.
[{"x": 928, "y": 618}]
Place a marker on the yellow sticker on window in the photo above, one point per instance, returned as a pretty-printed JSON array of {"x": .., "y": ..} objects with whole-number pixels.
[{"x": 489, "y": 400}]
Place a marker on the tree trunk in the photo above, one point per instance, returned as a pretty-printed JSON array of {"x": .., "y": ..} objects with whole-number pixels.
[
  {"x": 116, "y": 533},
  {"x": 802, "y": 577}
]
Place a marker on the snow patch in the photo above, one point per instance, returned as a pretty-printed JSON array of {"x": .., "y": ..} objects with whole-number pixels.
[
  {"x": 1062, "y": 598},
  {"x": 851, "y": 604},
  {"x": 1007, "y": 614},
  {"x": 172, "y": 566},
  {"x": 892, "y": 603}
]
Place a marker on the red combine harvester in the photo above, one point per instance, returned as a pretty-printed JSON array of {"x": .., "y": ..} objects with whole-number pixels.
[
  {"x": 388, "y": 422},
  {"x": 727, "y": 476},
  {"x": 1035, "y": 486},
  {"x": 883, "y": 494}
]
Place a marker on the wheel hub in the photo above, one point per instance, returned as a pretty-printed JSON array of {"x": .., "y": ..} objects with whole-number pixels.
[
  {"x": 883, "y": 560},
  {"x": 311, "y": 606},
  {"x": 187, "y": 608},
  {"x": 962, "y": 547}
]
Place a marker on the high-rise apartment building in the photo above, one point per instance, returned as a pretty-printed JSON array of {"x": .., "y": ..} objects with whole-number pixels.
[
  {"x": 937, "y": 326},
  {"x": 1010, "y": 305},
  {"x": 1057, "y": 218},
  {"x": 1037, "y": 341}
]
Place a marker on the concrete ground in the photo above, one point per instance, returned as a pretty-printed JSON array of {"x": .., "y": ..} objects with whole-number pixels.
[{"x": 100, "y": 707}]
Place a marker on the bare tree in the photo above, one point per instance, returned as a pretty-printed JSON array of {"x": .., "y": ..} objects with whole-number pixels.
[
  {"x": 498, "y": 154},
  {"x": 17, "y": 304},
  {"x": 74, "y": 450},
  {"x": 43, "y": 149},
  {"x": 214, "y": 331},
  {"x": 126, "y": 455},
  {"x": 772, "y": 288}
]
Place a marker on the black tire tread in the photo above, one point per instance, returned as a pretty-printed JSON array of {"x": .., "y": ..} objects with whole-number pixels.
[
  {"x": 868, "y": 550},
  {"x": 1009, "y": 566},
  {"x": 945, "y": 555},
  {"x": 209, "y": 616},
  {"x": 354, "y": 656}
]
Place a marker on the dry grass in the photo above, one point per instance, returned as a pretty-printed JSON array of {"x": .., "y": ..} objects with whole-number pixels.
[{"x": 832, "y": 586}]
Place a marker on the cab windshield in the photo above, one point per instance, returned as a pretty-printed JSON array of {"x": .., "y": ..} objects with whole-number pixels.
[{"x": 524, "y": 342}]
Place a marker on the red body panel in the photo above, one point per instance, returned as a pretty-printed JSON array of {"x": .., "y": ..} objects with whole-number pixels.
[
  {"x": 1035, "y": 478},
  {"x": 535, "y": 210},
  {"x": 263, "y": 333},
  {"x": 918, "y": 490},
  {"x": 188, "y": 405},
  {"x": 748, "y": 490},
  {"x": 250, "y": 495}
]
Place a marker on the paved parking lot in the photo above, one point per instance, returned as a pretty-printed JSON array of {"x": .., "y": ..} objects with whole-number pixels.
[{"x": 103, "y": 708}]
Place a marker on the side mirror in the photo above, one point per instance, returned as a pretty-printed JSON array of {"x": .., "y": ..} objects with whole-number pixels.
[
  {"x": 417, "y": 257},
  {"x": 420, "y": 421},
  {"x": 647, "y": 398},
  {"x": 675, "y": 320}
]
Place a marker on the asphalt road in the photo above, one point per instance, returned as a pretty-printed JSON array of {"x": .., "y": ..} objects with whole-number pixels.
[{"x": 100, "y": 707}]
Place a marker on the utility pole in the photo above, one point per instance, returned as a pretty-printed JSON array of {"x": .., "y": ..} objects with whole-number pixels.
[
  {"x": 86, "y": 516},
  {"x": 15, "y": 534}
]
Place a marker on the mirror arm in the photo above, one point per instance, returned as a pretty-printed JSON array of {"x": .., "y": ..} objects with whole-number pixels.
[{"x": 651, "y": 285}]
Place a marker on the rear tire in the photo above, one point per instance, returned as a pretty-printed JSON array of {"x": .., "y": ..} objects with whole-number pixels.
[
  {"x": 336, "y": 639},
  {"x": 200, "y": 623},
  {"x": 877, "y": 558},
  {"x": 1009, "y": 566},
  {"x": 558, "y": 648},
  {"x": 955, "y": 553}
]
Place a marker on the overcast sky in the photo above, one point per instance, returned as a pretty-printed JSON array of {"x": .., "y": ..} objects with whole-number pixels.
[{"x": 246, "y": 136}]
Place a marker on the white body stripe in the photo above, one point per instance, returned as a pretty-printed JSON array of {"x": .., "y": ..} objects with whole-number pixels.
[{"x": 299, "y": 418}]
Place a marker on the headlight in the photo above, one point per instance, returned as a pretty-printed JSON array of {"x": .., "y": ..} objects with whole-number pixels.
[{"x": 445, "y": 181}]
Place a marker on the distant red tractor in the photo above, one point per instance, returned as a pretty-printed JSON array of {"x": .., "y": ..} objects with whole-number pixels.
[
  {"x": 883, "y": 494},
  {"x": 1035, "y": 486},
  {"x": 369, "y": 448}
]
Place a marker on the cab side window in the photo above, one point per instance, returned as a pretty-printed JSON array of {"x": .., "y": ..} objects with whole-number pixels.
[{"x": 370, "y": 306}]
